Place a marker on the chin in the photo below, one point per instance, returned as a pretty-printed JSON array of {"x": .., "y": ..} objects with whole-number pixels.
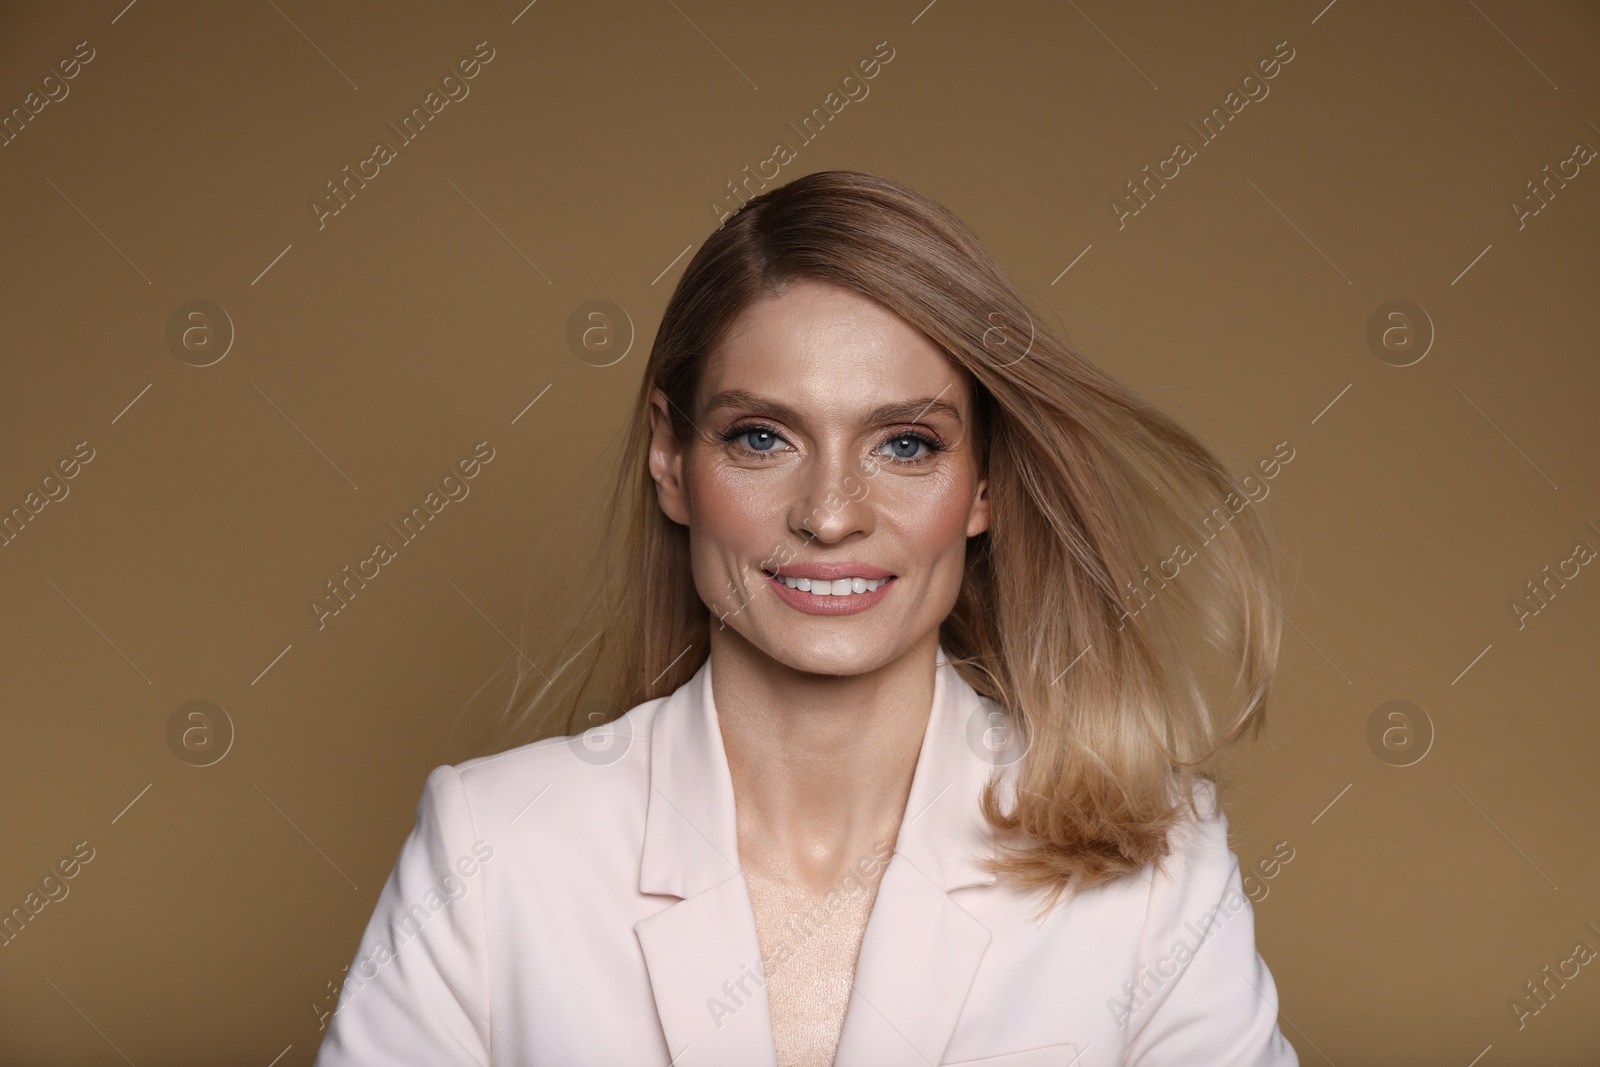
[{"x": 836, "y": 654}]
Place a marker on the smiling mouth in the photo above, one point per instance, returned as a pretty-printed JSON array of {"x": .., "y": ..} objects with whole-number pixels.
[{"x": 822, "y": 587}]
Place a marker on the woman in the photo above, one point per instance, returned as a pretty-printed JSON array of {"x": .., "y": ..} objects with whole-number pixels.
[{"x": 919, "y": 762}]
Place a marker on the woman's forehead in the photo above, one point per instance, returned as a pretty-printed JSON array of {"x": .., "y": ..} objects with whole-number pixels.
[{"x": 816, "y": 342}]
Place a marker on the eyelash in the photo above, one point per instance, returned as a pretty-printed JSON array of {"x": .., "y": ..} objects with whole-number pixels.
[{"x": 934, "y": 446}]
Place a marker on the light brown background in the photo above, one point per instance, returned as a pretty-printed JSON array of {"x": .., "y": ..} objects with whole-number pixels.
[{"x": 433, "y": 309}]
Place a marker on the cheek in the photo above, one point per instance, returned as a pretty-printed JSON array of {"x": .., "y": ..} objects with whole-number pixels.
[
  {"x": 734, "y": 526},
  {"x": 931, "y": 519},
  {"x": 725, "y": 509}
]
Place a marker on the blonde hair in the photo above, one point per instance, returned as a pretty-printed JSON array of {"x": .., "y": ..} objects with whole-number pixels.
[{"x": 1090, "y": 487}]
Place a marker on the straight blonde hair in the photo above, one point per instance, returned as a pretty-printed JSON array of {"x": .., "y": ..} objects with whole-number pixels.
[{"x": 1093, "y": 494}]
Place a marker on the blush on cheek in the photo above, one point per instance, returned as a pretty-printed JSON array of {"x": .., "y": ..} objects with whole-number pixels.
[
  {"x": 927, "y": 522},
  {"x": 936, "y": 520},
  {"x": 732, "y": 529}
]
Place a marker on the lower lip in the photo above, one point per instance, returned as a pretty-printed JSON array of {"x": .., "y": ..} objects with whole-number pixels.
[{"x": 849, "y": 604}]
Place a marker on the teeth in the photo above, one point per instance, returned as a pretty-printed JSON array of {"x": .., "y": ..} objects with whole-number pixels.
[{"x": 838, "y": 587}]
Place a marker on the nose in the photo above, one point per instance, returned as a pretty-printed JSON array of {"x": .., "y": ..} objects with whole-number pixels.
[{"x": 832, "y": 503}]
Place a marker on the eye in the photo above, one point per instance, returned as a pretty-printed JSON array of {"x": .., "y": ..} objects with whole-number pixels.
[
  {"x": 762, "y": 440},
  {"x": 903, "y": 447}
]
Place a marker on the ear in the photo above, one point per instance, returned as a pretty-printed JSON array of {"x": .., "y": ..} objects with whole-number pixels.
[
  {"x": 666, "y": 462},
  {"x": 978, "y": 520}
]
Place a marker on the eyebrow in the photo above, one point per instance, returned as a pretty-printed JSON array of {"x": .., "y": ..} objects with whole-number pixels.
[{"x": 900, "y": 411}]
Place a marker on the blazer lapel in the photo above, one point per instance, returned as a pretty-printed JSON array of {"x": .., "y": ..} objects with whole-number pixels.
[
  {"x": 702, "y": 954},
  {"x": 921, "y": 950}
]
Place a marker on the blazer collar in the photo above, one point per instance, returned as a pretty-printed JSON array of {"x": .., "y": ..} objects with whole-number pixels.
[
  {"x": 691, "y": 838},
  {"x": 920, "y": 951}
]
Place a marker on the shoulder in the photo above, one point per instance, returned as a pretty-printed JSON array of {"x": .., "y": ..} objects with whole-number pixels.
[
  {"x": 1200, "y": 859},
  {"x": 588, "y": 771},
  {"x": 573, "y": 773},
  {"x": 1204, "y": 993}
]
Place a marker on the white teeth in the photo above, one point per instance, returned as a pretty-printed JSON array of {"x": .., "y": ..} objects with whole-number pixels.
[{"x": 839, "y": 587}]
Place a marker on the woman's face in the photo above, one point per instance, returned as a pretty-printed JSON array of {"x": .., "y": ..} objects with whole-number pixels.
[{"x": 834, "y": 441}]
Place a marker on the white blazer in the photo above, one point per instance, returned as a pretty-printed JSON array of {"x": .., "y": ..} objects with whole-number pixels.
[{"x": 579, "y": 901}]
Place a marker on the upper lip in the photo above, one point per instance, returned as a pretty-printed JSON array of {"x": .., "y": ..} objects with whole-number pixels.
[{"x": 831, "y": 572}]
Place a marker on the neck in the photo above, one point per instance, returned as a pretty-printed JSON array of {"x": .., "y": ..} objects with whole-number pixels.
[{"x": 821, "y": 764}]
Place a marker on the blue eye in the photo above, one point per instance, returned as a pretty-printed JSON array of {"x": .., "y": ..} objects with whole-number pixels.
[
  {"x": 760, "y": 434},
  {"x": 765, "y": 434},
  {"x": 914, "y": 440}
]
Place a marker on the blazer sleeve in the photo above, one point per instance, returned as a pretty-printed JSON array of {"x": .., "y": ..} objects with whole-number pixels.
[
  {"x": 1203, "y": 993},
  {"x": 417, "y": 992}
]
